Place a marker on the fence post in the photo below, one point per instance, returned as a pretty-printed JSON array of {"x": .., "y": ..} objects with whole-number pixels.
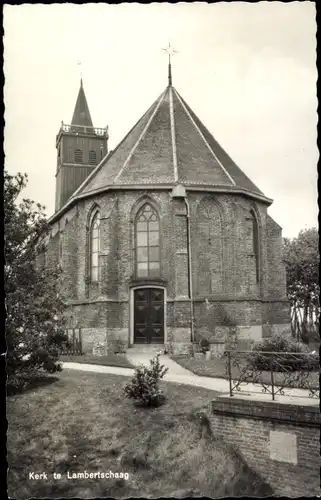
[
  {"x": 229, "y": 372},
  {"x": 272, "y": 377},
  {"x": 80, "y": 341}
]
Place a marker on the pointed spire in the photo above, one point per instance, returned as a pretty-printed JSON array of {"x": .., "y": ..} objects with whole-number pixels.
[{"x": 81, "y": 114}]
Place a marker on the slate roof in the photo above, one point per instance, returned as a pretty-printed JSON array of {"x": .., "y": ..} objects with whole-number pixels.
[
  {"x": 168, "y": 145},
  {"x": 81, "y": 114}
]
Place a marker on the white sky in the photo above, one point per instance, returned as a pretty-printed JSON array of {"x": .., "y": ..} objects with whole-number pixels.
[{"x": 247, "y": 70}]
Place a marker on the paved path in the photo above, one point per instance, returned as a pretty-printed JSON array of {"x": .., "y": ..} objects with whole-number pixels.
[{"x": 180, "y": 375}]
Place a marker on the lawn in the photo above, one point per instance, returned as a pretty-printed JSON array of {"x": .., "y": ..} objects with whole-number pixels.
[
  {"x": 217, "y": 368},
  {"x": 81, "y": 421},
  {"x": 109, "y": 360}
]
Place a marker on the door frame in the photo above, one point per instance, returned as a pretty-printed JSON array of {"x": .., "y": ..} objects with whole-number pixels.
[{"x": 131, "y": 311}]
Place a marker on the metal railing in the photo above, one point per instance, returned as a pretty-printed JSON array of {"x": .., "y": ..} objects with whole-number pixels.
[
  {"x": 73, "y": 346},
  {"x": 274, "y": 372},
  {"x": 84, "y": 128}
]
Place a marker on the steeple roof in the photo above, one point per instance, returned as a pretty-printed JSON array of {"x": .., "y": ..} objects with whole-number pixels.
[
  {"x": 169, "y": 145},
  {"x": 81, "y": 114}
]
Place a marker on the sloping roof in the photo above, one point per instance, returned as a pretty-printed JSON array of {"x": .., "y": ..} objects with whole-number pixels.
[
  {"x": 81, "y": 114},
  {"x": 168, "y": 145}
]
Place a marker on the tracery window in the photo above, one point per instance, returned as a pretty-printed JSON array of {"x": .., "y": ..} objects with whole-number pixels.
[
  {"x": 94, "y": 248},
  {"x": 147, "y": 242}
]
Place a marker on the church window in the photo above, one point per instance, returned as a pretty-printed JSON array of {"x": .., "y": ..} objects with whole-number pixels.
[
  {"x": 255, "y": 243},
  {"x": 78, "y": 156},
  {"x": 94, "y": 248},
  {"x": 92, "y": 157},
  {"x": 209, "y": 246},
  {"x": 147, "y": 243}
]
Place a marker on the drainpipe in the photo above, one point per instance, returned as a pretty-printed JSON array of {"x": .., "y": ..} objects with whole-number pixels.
[{"x": 190, "y": 283}]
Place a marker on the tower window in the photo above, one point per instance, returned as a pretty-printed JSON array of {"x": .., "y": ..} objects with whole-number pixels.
[
  {"x": 78, "y": 156},
  {"x": 147, "y": 242},
  {"x": 92, "y": 157}
]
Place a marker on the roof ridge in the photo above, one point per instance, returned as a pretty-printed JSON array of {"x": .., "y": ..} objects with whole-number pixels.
[
  {"x": 173, "y": 131},
  {"x": 161, "y": 98},
  {"x": 202, "y": 136}
]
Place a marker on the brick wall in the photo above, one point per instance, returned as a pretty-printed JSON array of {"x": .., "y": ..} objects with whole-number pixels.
[
  {"x": 276, "y": 283},
  {"x": 223, "y": 277},
  {"x": 281, "y": 442}
]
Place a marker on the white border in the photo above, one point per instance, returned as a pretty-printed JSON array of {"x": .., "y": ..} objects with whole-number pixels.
[{"x": 131, "y": 312}]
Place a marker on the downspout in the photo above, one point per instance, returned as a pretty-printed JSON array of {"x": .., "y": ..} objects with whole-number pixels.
[{"x": 190, "y": 282}]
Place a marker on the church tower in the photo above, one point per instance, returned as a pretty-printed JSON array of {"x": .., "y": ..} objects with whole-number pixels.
[{"x": 80, "y": 147}]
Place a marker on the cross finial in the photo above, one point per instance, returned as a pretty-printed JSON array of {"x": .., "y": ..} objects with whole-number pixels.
[
  {"x": 79, "y": 64},
  {"x": 171, "y": 52}
]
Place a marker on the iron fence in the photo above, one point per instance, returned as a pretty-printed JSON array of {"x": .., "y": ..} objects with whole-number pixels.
[
  {"x": 274, "y": 372},
  {"x": 72, "y": 346}
]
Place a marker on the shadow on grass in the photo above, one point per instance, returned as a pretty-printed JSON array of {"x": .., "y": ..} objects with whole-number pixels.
[{"x": 29, "y": 384}]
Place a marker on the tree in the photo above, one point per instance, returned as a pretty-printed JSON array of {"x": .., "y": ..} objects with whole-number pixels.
[
  {"x": 34, "y": 324},
  {"x": 301, "y": 256}
]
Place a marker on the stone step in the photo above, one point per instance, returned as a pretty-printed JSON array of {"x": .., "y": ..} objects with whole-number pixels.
[{"x": 146, "y": 348}]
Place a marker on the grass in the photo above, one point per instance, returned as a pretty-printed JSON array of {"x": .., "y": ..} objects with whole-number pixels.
[
  {"x": 82, "y": 422},
  {"x": 217, "y": 368},
  {"x": 109, "y": 360}
]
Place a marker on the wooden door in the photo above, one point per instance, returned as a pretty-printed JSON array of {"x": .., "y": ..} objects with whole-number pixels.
[{"x": 149, "y": 316}]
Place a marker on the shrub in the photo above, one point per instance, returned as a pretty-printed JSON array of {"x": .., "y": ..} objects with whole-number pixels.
[
  {"x": 204, "y": 345},
  {"x": 119, "y": 347},
  {"x": 293, "y": 356},
  {"x": 144, "y": 387}
]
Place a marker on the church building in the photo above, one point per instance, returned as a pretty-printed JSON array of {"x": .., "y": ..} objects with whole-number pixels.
[{"x": 163, "y": 240}]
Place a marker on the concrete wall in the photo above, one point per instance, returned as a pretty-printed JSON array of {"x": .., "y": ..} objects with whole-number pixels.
[{"x": 281, "y": 442}]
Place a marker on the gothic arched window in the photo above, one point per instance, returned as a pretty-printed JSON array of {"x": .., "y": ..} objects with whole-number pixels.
[
  {"x": 209, "y": 246},
  {"x": 78, "y": 156},
  {"x": 94, "y": 248},
  {"x": 147, "y": 242},
  {"x": 255, "y": 243}
]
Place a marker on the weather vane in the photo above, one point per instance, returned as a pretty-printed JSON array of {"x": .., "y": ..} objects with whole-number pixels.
[
  {"x": 171, "y": 52},
  {"x": 79, "y": 64}
]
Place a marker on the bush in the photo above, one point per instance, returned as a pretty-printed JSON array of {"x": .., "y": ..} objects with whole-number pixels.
[
  {"x": 119, "y": 347},
  {"x": 204, "y": 345},
  {"x": 144, "y": 387},
  {"x": 293, "y": 356}
]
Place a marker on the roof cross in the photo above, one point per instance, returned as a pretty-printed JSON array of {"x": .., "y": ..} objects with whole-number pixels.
[{"x": 171, "y": 52}]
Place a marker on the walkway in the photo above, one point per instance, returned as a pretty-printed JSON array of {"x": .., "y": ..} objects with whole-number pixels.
[{"x": 179, "y": 375}]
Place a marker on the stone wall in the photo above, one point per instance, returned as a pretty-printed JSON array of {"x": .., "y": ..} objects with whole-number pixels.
[{"x": 281, "y": 442}]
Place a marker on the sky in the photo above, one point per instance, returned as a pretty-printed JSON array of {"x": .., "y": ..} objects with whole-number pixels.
[{"x": 247, "y": 70}]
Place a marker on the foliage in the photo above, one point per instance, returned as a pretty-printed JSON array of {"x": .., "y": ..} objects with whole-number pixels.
[
  {"x": 119, "y": 346},
  {"x": 144, "y": 387},
  {"x": 301, "y": 257},
  {"x": 204, "y": 345},
  {"x": 34, "y": 330},
  {"x": 282, "y": 354}
]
